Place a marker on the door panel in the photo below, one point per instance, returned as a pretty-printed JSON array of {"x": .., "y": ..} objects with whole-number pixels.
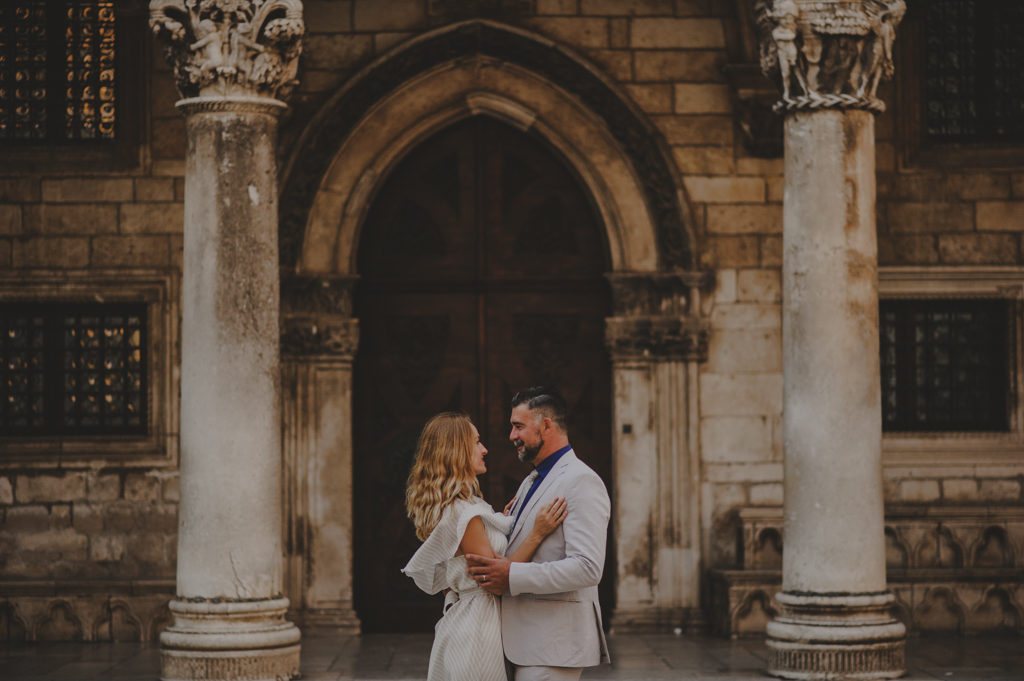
[{"x": 481, "y": 268}]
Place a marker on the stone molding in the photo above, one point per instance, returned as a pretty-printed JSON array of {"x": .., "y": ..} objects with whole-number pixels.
[
  {"x": 317, "y": 317},
  {"x": 254, "y": 665},
  {"x": 303, "y": 337},
  {"x": 809, "y": 45},
  {"x": 317, "y": 294},
  {"x": 223, "y": 48},
  {"x": 249, "y": 105},
  {"x": 657, "y": 317}
]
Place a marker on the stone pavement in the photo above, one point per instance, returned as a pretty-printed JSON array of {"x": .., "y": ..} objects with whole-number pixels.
[{"x": 404, "y": 656}]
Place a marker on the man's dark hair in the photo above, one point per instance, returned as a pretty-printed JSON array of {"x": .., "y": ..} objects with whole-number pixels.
[{"x": 547, "y": 401}]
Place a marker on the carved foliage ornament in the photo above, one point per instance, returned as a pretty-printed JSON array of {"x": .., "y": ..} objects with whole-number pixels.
[
  {"x": 225, "y": 48},
  {"x": 828, "y": 54}
]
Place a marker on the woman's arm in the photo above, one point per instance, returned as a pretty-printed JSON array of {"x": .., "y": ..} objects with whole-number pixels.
[
  {"x": 548, "y": 518},
  {"x": 475, "y": 540}
]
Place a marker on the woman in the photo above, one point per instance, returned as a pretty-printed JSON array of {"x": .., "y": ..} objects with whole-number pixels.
[{"x": 443, "y": 499}]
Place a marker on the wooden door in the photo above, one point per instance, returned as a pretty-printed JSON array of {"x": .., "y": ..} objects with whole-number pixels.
[{"x": 481, "y": 272}]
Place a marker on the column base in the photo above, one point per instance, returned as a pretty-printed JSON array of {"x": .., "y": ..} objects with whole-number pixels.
[
  {"x": 829, "y": 636},
  {"x": 236, "y": 640}
]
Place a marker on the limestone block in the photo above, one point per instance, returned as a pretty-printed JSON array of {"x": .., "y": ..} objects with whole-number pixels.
[
  {"x": 907, "y": 250},
  {"x": 575, "y": 31},
  {"x": 696, "y": 160},
  {"x": 35, "y": 518},
  {"x": 978, "y": 249},
  {"x": 120, "y": 516},
  {"x": 130, "y": 251},
  {"x": 919, "y": 491},
  {"x": 563, "y": 7},
  {"x": 157, "y": 518},
  {"x": 81, "y": 218},
  {"x": 148, "y": 548},
  {"x": 696, "y": 66},
  {"x": 999, "y": 490},
  {"x": 696, "y": 98},
  {"x": 696, "y": 129},
  {"x": 60, "y": 516},
  {"x": 733, "y": 251},
  {"x": 747, "y": 316},
  {"x": 1016, "y": 185},
  {"x": 141, "y": 487},
  {"x": 171, "y": 488},
  {"x": 617, "y": 64},
  {"x": 983, "y": 185},
  {"x": 179, "y": 189},
  {"x": 167, "y": 139},
  {"x": 103, "y": 486},
  {"x": 759, "y": 286},
  {"x": 14, "y": 190},
  {"x": 382, "y": 42},
  {"x": 742, "y": 395},
  {"x": 6, "y": 491},
  {"x": 67, "y": 543},
  {"x": 655, "y": 98},
  {"x": 88, "y": 518},
  {"x": 725, "y": 286},
  {"x": 10, "y": 220},
  {"x": 335, "y": 52},
  {"x": 49, "y": 488},
  {"x": 677, "y": 33},
  {"x": 327, "y": 16},
  {"x": 744, "y": 351},
  {"x": 153, "y": 218},
  {"x": 913, "y": 187},
  {"x": 726, "y": 497},
  {"x": 776, "y": 188},
  {"x": 771, "y": 251},
  {"x": 618, "y": 33},
  {"x": 734, "y": 439},
  {"x": 748, "y": 165},
  {"x": 107, "y": 547},
  {"x": 388, "y": 15},
  {"x": 766, "y": 494},
  {"x": 725, "y": 189},
  {"x": 902, "y": 218},
  {"x": 627, "y": 7},
  {"x": 81, "y": 190},
  {"x": 960, "y": 489},
  {"x": 154, "y": 189},
  {"x": 745, "y": 219},
  {"x": 996, "y": 216}
]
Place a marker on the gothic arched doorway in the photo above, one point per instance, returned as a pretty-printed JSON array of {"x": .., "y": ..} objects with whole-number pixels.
[{"x": 481, "y": 270}]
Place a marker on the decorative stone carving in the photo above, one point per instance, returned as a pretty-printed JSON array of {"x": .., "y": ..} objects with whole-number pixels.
[
  {"x": 657, "y": 316},
  {"x": 317, "y": 317},
  {"x": 828, "y": 54},
  {"x": 317, "y": 295},
  {"x": 336, "y": 337},
  {"x": 223, "y": 48}
]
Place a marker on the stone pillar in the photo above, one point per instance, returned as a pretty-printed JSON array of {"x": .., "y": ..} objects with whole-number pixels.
[
  {"x": 835, "y": 617},
  {"x": 656, "y": 340},
  {"x": 234, "y": 61},
  {"x": 318, "y": 344}
]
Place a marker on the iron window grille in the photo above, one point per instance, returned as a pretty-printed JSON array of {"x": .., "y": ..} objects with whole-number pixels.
[
  {"x": 58, "y": 72},
  {"x": 70, "y": 369},
  {"x": 945, "y": 365}
]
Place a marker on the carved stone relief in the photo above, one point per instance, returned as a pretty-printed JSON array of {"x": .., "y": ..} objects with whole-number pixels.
[
  {"x": 231, "y": 47},
  {"x": 828, "y": 54}
]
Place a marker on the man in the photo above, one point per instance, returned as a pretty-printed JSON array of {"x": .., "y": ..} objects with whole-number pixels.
[{"x": 550, "y": 616}]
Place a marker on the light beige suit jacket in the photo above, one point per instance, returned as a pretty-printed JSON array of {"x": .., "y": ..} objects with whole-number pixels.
[{"x": 552, "y": 617}]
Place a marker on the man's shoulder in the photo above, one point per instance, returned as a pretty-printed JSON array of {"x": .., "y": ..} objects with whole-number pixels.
[{"x": 578, "y": 468}]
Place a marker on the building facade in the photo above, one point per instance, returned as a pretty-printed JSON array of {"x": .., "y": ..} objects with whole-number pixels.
[{"x": 465, "y": 198}]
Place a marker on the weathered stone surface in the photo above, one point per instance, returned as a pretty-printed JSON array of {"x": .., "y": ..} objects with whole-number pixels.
[
  {"x": 6, "y": 491},
  {"x": 999, "y": 216},
  {"x": 698, "y": 160},
  {"x": 10, "y": 220},
  {"x": 337, "y": 52},
  {"x": 734, "y": 251},
  {"x": 960, "y": 489},
  {"x": 103, "y": 486},
  {"x": 758, "y": 286},
  {"x": 745, "y": 219},
  {"x": 725, "y": 189},
  {"x": 696, "y": 129},
  {"x": 152, "y": 218},
  {"x": 743, "y": 395},
  {"x": 68, "y": 543},
  {"x": 326, "y": 16},
  {"x": 734, "y": 439},
  {"x": 627, "y": 7},
  {"x": 578, "y": 31},
  {"x": 677, "y": 33},
  {"x": 1000, "y": 490},
  {"x": 34, "y": 488},
  {"x": 149, "y": 548},
  {"x": 382, "y": 42},
  {"x": 766, "y": 494},
  {"x": 701, "y": 98},
  {"x": 771, "y": 251},
  {"x": 989, "y": 249},
  {"x": 616, "y": 63},
  {"x": 981, "y": 185},
  {"x": 171, "y": 488},
  {"x": 149, "y": 189},
  {"x": 88, "y": 518},
  {"x": 743, "y": 351},
  {"x": 388, "y": 15},
  {"x": 35, "y": 518},
  {"x": 655, "y": 98},
  {"x": 695, "y": 66},
  {"x": 130, "y": 251},
  {"x": 556, "y": 7},
  {"x": 82, "y": 218},
  {"x": 919, "y": 491},
  {"x": 19, "y": 190},
  {"x": 141, "y": 487},
  {"x": 747, "y": 316},
  {"x": 929, "y": 217},
  {"x": 907, "y": 250},
  {"x": 167, "y": 139},
  {"x": 107, "y": 547},
  {"x": 87, "y": 190},
  {"x": 618, "y": 33}
]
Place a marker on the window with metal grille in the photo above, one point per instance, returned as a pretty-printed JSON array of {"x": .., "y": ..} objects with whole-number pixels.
[
  {"x": 73, "y": 369},
  {"x": 945, "y": 365},
  {"x": 973, "y": 74},
  {"x": 58, "y": 75}
]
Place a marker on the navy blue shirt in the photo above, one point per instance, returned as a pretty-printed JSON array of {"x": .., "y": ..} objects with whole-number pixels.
[{"x": 543, "y": 468}]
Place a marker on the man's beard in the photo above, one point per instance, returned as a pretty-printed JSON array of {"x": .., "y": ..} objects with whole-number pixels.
[{"x": 525, "y": 453}]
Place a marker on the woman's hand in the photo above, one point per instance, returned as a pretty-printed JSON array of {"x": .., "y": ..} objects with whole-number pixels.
[
  {"x": 550, "y": 516},
  {"x": 509, "y": 505}
]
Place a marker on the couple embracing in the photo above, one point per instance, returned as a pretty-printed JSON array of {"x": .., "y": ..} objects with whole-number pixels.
[{"x": 521, "y": 584}]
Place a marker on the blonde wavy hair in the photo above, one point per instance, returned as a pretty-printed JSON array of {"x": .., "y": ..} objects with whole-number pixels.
[{"x": 442, "y": 471}]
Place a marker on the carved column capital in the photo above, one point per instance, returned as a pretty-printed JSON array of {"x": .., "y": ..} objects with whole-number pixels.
[
  {"x": 657, "y": 316},
  {"x": 828, "y": 54},
  {"x": 231, "y": 48},
  {"x": 317, "y": 317}
]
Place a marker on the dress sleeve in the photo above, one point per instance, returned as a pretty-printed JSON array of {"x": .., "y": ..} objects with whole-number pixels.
[{"x": 427, "y": 565}]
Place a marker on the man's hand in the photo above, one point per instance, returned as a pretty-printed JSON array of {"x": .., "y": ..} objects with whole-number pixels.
[{"x": 489, "y": 573}]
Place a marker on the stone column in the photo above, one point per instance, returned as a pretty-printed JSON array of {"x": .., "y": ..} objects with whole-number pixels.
[
  {"x": 835, "y": 617},
  {"x": 656, "y": 340},
  {"x": 318, "y": 345},
  {"x": 234, "y": 62}
]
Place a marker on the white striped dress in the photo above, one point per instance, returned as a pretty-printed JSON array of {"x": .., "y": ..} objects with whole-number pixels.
[{"x": 467, "y": 638}]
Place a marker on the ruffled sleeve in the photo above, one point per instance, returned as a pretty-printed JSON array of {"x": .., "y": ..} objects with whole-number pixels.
[{"x": 427, "y": 567}]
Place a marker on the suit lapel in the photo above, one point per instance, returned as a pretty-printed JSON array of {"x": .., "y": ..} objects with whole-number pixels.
[{"x": 552, "y": 475}]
